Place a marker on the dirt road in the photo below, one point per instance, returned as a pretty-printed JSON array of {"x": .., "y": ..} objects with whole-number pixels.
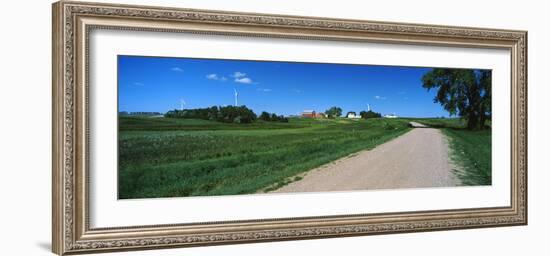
[{"x": 419, "y": 158}]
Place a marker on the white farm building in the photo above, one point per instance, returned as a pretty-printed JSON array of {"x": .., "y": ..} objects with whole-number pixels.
[{"x": 353, "y": 115}]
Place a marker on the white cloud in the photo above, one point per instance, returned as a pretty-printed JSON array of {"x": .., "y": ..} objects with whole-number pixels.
[
  {"x": 176, "y": 69},
  {"x": 296, "y": 90},
  {"x": 212, "y": 76},
  {"x": 238, "y": 74},
  {"x": 244, "y": 80},
  {"x": 216, "y": 77},
  {"x": 264, "y": 89},
  {"x": 378, "y": 97}
]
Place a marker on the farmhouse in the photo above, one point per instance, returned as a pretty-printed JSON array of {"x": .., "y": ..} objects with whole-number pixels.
[
  {"x": 353, "y": 115},
  {"x": 312, "y": 114}
]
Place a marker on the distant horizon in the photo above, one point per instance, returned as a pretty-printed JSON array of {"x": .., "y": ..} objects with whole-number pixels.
[
  {"x": 162, "y": 84},
  {"x": 296, "y": 115}
]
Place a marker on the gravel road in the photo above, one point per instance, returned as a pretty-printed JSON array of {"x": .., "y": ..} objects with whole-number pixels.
[{"x": 419, "y": 158}]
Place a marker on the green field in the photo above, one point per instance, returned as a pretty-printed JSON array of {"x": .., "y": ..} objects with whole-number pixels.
[
  {"x": 470, "y": 149},
  {"x": 164, "y": 157}
]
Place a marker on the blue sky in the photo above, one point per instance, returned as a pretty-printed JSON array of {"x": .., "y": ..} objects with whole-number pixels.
[{"x": 159, "y": 84}]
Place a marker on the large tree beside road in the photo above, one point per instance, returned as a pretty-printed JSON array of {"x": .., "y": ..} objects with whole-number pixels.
[{"x": 462, "y": 92}]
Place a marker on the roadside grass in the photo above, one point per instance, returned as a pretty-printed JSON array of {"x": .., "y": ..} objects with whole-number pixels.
[
  {"x": 201, "y": 158},
  {"x": 469, "y": 149},
  {"x": 472, "y": 149},
  {"x": 455, "y": 123}
]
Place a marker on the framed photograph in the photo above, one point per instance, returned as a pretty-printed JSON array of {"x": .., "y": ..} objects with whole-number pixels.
[{"x": 179, "y": 127}]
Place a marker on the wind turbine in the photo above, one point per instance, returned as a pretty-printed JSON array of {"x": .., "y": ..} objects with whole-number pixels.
[
  {"x": 236, "y": 97},
  {"x": 182, "y": 103},
  {"x": 368, "y": 107}
]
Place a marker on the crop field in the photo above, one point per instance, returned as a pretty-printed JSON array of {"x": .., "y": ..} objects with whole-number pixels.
[
  {"x": 470, "y": 149},
  {"x": 174, "y": 157}
]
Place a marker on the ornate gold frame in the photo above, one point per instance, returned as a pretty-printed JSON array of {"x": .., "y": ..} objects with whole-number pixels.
[{"x": 72, "y": 21}]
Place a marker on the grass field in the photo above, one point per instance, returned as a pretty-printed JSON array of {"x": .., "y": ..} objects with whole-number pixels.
[
  {"x": 163, "y": 157},
  {"x": 470, "y": 149}
]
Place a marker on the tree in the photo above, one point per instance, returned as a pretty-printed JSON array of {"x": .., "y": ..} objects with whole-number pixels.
[
  {"x": 333, "y": 112},
  {"x": 265, "y": 116},
  {"x": 462, "y": 92},
  {"x": 369, "y": 114}
]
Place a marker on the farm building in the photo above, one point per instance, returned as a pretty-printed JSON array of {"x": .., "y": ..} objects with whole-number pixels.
[
  {"x": 312, "y": 114},
  {"x": 390, "y": 116},
  {"x": 353, "y": 115},
  {"x": 308, "y": 113}
]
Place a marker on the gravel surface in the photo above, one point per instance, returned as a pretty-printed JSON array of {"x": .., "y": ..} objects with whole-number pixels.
[
  {"x": 417, "y": 159},
  {"x": 417, "y": 125}
]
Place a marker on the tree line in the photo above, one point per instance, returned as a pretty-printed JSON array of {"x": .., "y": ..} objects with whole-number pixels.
[
  {"x": 225, "y": 114},
  {"x": 142, "y": 113},
  {"x": 272, "y": 117}
]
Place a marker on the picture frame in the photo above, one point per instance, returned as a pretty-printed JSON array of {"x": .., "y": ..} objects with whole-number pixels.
[{"x": 71, "y": 212}]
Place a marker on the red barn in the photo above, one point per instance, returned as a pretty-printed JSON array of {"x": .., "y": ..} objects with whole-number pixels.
[
  {"x": 312, "y": 114},
  {"x": 309, "y": 113}
]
